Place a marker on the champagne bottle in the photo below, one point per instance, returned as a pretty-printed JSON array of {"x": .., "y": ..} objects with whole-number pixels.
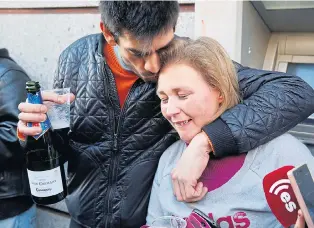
[{"x": 44, "y": 163}]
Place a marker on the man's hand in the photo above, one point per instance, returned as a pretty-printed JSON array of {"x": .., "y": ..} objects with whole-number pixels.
[
  {"x": 300, "y": 223},
  {"x": 190, "y": 168},
  {"x": 37, "y": 112}
]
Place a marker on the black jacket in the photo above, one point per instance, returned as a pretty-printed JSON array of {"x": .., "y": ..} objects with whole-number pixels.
[
  {"x": 14, "y": 187},
  {"x": 113, "y": 153}
]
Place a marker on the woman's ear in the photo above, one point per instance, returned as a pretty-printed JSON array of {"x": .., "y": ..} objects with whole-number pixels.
[
  {"x": 220, "y": 98},
  {"x": 107, "y": 35}
]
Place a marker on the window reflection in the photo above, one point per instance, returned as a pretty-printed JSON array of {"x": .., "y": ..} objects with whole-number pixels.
[{"x": 304, "y": 71}]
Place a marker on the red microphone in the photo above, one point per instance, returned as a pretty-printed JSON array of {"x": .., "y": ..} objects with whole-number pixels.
[{"x": 280, "y": 196}]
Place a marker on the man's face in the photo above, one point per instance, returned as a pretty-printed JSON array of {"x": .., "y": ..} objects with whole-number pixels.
[{"x": 143, "y": 57}]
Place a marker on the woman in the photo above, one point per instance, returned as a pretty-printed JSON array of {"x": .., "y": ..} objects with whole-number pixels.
[{"x": 192, "y": 74}]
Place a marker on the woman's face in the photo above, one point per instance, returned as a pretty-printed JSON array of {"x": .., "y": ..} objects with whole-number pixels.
[{"x": 187, "y": 101}]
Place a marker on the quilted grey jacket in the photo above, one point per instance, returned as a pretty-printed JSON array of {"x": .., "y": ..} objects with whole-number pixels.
[{"x": 113, "y": 154}]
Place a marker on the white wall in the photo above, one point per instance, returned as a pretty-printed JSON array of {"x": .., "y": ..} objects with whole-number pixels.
[
  {"x": 223, "y": 22},
  {"x": 35, "y": 41},
  {"x": 255, "y": 37},
  {"x": 237, "y": 26}
]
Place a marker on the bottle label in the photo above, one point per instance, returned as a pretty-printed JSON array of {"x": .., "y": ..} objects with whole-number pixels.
[
  {"x": 45, "y": 183},
  {"x": 36, "y": 99}
]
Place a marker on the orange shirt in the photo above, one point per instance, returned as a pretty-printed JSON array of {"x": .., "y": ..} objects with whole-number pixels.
[{"x": 124, "y": 79}]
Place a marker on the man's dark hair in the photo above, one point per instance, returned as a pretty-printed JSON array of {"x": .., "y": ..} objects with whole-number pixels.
[{"x": 142, "y": 19}]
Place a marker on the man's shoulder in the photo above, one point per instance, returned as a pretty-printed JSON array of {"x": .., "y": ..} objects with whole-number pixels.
[
  {"x": 83, "y": 45},
  {"x": 9, "y": 66}
]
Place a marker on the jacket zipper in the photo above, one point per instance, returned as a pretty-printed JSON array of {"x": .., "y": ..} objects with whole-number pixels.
[
  {"x": 114, "y": 145},
  {"x": 115, "y": 160},
  {"x": 115, "y": 155}
]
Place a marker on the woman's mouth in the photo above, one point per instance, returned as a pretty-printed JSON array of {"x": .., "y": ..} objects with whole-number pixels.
[{"x": 181, "y": 123}]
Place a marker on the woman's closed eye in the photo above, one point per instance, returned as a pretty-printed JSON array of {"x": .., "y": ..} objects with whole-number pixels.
[
  {"x": 183, "y": 96},
  {"x": 164, "y": 100}
]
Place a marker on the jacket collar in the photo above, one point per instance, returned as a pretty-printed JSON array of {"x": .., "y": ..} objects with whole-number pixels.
[{"x": 101, "y": 45}]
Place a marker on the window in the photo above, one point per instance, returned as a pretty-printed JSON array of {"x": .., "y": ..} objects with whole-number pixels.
[{"x": 304, "y": 71}]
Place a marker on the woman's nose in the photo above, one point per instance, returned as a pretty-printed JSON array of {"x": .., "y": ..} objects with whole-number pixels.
[{"x": 172, "y": 109}]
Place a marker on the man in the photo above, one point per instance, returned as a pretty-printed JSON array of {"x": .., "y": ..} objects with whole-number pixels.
[
  {"x": 117, "y": 132},
  {"x": 16, "y": 205}
]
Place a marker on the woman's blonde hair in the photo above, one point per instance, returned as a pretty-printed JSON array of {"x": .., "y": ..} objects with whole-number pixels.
[{"x": 209, "y": 58}]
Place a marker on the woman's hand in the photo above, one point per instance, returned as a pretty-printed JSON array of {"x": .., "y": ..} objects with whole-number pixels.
[
  {"x": 300, "y": 223},
  {"x": 190, "y": 168}
]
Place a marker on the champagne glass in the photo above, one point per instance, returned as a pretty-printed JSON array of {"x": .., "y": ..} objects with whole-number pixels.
[{"x": 169, "y": 222}]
